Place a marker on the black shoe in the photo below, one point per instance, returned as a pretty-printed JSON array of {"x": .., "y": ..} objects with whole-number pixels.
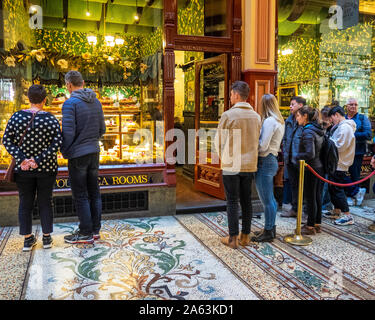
[
  {"x": 265, "y": 236},
  {"x": 77, "y": 237},
  {"x": 258, "y": 233},
  {"x": 29, "y": 243},
  {"x": 47, "y": 242}
]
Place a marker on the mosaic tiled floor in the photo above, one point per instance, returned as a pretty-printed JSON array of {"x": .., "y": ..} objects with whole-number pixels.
[{"x": 182, "y": 258}]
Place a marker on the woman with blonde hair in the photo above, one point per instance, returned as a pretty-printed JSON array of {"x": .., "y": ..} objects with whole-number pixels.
[{"x": 271, "y": 135}]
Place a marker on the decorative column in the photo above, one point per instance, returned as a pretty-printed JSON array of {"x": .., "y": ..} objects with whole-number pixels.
[
  {"x": 259, "y": 69},
  {"x": 170, "y": 30},
  {"x": 237, "y": 41}
]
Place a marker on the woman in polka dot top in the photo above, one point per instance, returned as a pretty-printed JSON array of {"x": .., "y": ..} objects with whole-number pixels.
[{"x": 36, "y": 163}]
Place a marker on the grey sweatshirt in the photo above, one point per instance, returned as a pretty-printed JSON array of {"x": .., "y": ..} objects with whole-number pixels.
[{"x": 344, "y": 139}]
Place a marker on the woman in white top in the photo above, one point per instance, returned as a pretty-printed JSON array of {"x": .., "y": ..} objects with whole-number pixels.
[{"x": 271, "y": 135}]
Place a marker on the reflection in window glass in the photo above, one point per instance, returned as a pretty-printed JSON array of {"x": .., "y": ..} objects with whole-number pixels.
[
  {"x": 117, "y": 46},
  {"x": 328, "y": 57},
  {"x": 202, "y": 17}
]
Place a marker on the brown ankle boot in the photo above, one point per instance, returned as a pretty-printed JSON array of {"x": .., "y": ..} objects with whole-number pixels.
[
  {"x": 244, "y": 239},
  {"x": 231, "y": 242}
]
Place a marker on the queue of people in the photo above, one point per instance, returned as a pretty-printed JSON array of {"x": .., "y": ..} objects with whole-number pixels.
[
  {"x": 248, "y": 143},
  {"x": 303, "y": 136}
]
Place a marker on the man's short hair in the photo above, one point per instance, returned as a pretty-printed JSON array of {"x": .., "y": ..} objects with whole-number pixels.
[
  {"x": 335, "y": 110},
  {"x": 299, "y": 100},
  {"x": 75, "y": 78},
  {"x": 36, "y": 94},
  {"x": 242, "y": 88}
]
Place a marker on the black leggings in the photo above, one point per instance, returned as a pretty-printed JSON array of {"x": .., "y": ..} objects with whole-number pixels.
[
  {"x": 313, "y": 197},
  {"x": 29, "y": 188}
]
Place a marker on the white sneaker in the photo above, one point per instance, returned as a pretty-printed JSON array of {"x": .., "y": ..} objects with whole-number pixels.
[
  {"x": 350, "y": 201},
  {"x": 345, "y": 220},
  {"x": 360, "y": 196}
]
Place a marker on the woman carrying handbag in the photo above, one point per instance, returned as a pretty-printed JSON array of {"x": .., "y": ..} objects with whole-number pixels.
[{"x": 33, "y": 137}]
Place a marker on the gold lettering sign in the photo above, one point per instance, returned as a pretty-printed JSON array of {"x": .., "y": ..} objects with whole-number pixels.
[{"x": 108, "y": 181}]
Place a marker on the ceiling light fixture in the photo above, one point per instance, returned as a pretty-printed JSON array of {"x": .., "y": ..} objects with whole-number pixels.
[
  {"x": 110, "y": 41},
  {"x": 136, "y": 17},
  {"x": 92, "y": 40},
  {"x": 87, "y": 9},
  {"x": 33, "y": 9},
  {"x": 119, "y": 41}
]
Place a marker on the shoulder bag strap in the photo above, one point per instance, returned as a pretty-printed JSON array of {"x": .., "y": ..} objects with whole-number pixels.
[{"x": 27, "y": 128}]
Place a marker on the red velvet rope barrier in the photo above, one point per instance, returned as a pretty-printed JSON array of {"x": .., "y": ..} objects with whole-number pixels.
[{"x": 339, "y": 184}]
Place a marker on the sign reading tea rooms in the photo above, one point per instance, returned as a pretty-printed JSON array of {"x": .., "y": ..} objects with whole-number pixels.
[{"x": 123, "y": 180}]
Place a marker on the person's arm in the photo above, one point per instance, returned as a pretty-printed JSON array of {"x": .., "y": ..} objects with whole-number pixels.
[
  {"x": 55, "y": 144},
  {"x": 366, "y": 133},
  {"x": 9, "y": 142},
  {"x": 102, "y": 129},
  {"x": 266, "y": 135},
  {"x": 68, "y": 126},
  {"x": 342, "y": 139},
  {"x": 221, "y": 135}
]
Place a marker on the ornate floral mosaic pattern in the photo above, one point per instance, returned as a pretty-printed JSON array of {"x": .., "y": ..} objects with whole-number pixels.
[
  {"x": 182, "y": 258},
  {"x": 152, "y": 258}
]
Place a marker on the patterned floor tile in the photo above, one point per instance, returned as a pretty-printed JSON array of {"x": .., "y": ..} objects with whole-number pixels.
[
  {"x": 181, "y": 257},
  {"x": 13, "y": 264},
  {"x": 341, "y": 251},
  {"x": 153, "y": 258}
]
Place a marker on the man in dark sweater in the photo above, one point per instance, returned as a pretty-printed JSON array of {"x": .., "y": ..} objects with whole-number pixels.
[
  {"x": 291, "y": 140},
  {"x": 82, "y": 127}
]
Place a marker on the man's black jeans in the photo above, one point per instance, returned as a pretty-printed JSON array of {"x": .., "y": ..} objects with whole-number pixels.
[
  {"x": 236, "y": 187},
  {"x": 83, "y": 173},
  {"x": 28, "y": 187}
]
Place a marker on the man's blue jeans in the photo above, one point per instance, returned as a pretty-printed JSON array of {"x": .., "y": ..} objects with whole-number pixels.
[
  {"x": 83, "y": 173},
  {"x": 355, "y": 175},
  {"x": 267, "y": 169}
]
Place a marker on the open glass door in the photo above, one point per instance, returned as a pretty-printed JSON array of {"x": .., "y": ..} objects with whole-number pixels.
[{"x": 211, "y": 100}]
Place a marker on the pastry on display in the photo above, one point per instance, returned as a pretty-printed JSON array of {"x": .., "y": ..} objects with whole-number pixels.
[
  {"x": 58, "y": 101},
  {"x": 111, "y": 125},
  {"x": 105, "y": 101},
  {"x": 126, "y": 101}
]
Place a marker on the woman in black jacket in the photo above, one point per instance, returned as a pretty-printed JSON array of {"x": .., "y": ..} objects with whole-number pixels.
[
  {"x": 309, "y": 150},
  {"x": 36, "y": 163}
]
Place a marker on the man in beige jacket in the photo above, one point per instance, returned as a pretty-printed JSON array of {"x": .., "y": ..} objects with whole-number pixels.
[{"x": 236, "y": 142}]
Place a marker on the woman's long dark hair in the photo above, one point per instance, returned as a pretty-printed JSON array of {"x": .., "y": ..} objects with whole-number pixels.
[{"x": 313, "y": 115}]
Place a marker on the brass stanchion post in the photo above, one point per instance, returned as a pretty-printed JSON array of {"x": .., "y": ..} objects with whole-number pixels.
[{"x": 297, "y": 239}]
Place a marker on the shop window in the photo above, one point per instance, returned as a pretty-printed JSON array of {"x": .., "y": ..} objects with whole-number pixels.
[
  {"x": 203, "y": 18},
  {"x": 327, "y": 53},
  {"x": 116, "y": 45}
]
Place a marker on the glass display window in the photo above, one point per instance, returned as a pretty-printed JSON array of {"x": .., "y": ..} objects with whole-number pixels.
[
  {"x": 203, "y": 18},
  {"x": 326, "y": 53},
  {"x": 118, "y": 48}
]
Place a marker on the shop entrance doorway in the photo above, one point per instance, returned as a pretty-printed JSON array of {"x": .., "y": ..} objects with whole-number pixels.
[
  {"x": 211, "y": 100},
  {"x": 201, "y": 96}
]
